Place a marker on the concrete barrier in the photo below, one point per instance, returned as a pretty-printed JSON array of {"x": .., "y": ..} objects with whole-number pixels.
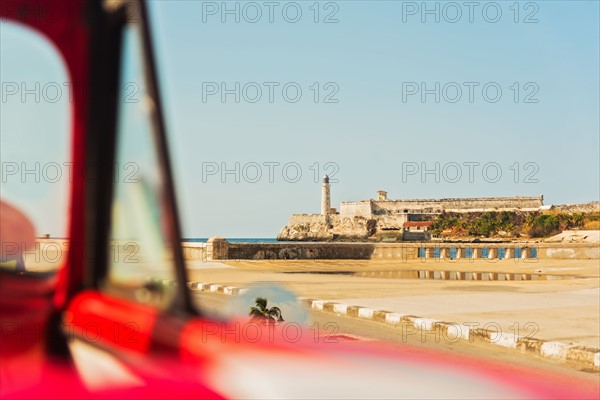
[
  {"x": 220, "y": 249},
  {"x": 194, "y": 251},
  {"x": 578, "y": 356}
]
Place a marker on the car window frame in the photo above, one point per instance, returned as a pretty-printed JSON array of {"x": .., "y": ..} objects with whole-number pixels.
[{"x": 107, "y": 41}]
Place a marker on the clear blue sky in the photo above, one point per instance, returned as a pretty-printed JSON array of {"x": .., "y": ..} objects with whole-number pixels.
[
  {"x": 371, "y": 58},
  {"x": 371, "y": 131}
]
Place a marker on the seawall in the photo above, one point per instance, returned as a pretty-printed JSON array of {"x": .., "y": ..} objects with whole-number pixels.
[{"x": 220, "y": 249}]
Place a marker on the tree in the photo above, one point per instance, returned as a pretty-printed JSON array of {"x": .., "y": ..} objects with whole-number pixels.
[{"x": 261, "y": 312}]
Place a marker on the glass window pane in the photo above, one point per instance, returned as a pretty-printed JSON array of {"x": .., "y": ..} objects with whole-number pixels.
[
  {"x": 140, "y": 251},
  {"x": 35, "y": 151}
]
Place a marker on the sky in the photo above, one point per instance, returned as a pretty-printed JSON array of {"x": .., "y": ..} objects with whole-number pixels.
[{"x": 500, "y": 99}]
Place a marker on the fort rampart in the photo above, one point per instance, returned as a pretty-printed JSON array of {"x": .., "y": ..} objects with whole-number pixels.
[{"x": 367, "y": 208}]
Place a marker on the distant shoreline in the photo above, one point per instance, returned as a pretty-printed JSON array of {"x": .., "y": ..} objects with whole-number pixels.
[
  {"x": 233, "y": 240},
  {"x": 189, "y": 240}
]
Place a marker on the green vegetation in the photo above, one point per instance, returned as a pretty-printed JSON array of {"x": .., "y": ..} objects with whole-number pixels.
[
  {"x": 511, "y": 223},
  {"x": 544, "y": 225}
]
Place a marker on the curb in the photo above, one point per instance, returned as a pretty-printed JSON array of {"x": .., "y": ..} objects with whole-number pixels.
[
  {"x": 215, "y": 288},
  {"x": 587, "y": 357}
]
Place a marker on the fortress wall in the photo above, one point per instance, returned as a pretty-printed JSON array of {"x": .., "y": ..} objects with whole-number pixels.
[
  {"x": 391, "y": 221},
  {"x": 304, "y": 219},
  {"x": 388, "y": 207},
  {"x": 495, "y": 202},
  {"x": 351, "y": 222},
  {"x": 398, "y": 206},
  {"x": 588, "y": 207},
  {"x": 359, "y": 208},
  {"x": 489, "y": 203}
]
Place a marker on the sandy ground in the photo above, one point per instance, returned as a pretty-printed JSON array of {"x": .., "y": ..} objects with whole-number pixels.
[
  {"x": 376, "y": 332},
  {"x": 563, "y": 305},
  {"x": 575, "y": 236}
]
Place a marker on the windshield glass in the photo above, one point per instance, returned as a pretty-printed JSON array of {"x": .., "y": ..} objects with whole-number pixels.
[
  {"x": 385, "y": 160},
  {"x": 140, "y": 252}
]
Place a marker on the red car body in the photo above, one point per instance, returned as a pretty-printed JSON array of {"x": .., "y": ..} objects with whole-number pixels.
[{"x": 179, "y": 354}]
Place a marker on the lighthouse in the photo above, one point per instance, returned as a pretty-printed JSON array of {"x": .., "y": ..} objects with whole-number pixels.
[{"x": 325, "y": 196}]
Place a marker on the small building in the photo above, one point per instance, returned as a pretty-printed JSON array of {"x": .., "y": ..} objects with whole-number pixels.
[
  {"x": 416, "y": 226},
  {"x": 416, "y": 230},
  {"x": 381, "y": 195}
]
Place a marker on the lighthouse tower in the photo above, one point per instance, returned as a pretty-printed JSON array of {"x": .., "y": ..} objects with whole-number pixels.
[{"x": 325, "y": 196}]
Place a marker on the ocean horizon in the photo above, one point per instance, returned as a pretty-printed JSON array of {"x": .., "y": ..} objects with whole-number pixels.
[{"x": 234, "y": 240}]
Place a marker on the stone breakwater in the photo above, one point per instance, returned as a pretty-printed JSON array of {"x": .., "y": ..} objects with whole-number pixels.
[{"x": 221, "y": 249}]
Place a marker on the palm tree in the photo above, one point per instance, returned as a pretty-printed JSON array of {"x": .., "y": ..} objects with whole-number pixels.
[{"x": 260, "y": 311}]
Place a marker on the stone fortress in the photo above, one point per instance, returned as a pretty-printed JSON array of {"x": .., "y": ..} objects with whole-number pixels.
[{"x": 364, "y": 219}]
